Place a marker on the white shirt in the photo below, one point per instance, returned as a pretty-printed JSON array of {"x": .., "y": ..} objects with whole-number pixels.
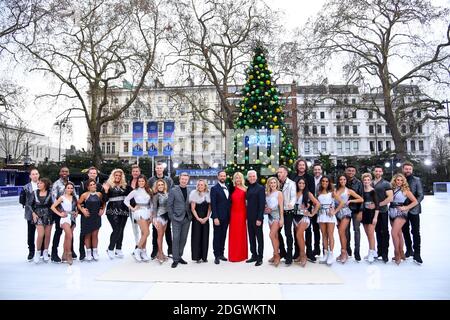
[
  {"x": 34, "y": 186},
  {"x": 316, "y": 182},
  {"x": 225, "y": 189}
]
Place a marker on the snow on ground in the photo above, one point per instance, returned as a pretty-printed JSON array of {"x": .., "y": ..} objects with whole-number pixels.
[{"x": 20, "y": 279}]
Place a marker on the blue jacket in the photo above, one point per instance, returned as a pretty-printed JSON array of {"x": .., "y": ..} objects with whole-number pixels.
[{"x": 220, "y": 205}]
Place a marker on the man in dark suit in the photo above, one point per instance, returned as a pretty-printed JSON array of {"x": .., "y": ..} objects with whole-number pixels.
[
  {"x": 220, "y": 207},
  {"x": 415, "y": 185},
  {"x": 256, "y": 201},
  {"x": 180, "y": 215}
]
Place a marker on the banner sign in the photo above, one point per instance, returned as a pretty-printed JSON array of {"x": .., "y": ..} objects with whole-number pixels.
[
  {"x": 152, "y": 138},
  {"x": 138, "y": 139},
  {"x": 169, "y": 128}
]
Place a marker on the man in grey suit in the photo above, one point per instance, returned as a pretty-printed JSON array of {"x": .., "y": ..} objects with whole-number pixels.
[
  {"x": 415, "y": 185},
  {"x": 180, "y": 215},
  {"x": 28, "y": 190}
]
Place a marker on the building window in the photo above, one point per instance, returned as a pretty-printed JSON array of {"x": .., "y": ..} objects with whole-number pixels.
[
  {"x": 105, "y": 129},
  {"x": 421, "y": 145},
  {"x": 137, "y": 114},
  {"x": 388, "y": 145},
  {"x": 315, "y": 147},
  {"x": 388, "y": 130},
  {"x": 126, "y": 128},
  {"x": 355, "y": 146},
  {"x": 218, "y": 145},
  {"x": 371, "y": 130},
  {"x": 345, "y": 101},
  {"x": 346, "y": 129},
  {"x": 108, "y": 148},
  {"x": 419, "y": 114},
  {"x": 322, "y": 115},
  {"x": 354, "y": 114},
  {"x": 339, "y": 147},
  {"x": 125, "y": 146},
  {"x": 115, "y": 129},
  {"x": 307, "y": 147},
  {"x": 403, "y": 129},
  {"x": 379, "y": 129},
  {"x": 419, "y": 129},
  {"x": 322, "y": 130},
  {"x": 338, "y": 114},
  {"x": 126, "y": 113},
  {"x": 354, "y": 102},
  {"x": 305, "y": 117},
  {"x": 347, "y": 146},
  {"x": 314, "y": 130},
  {"x": 355, "y": 129},
  {"x": 413, "y": 146},
  {"x": 372, "y": 146},
  {"x": 345, "y": 114},
  {"x": 113, "y": 147},
  {"x": 380, "y": 146},
  {"x": 411, "y": 129},
  {"x": 370, "y": 114},
  {"x": 103, "y": 147},
  {"x": 338, "y": 130},
  {"x": 182, "y": 126},
  {"x": 314, "y": 116},
  {"x": 323, "y": 146},
  {"x": 160, "y": 99},
  {"x": 306, "y": 128}
]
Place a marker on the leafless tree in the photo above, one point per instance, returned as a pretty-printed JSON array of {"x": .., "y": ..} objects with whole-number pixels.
[
  {"x": 212, "y": 42},
  {"x": 440, "y": 154},
  {"x": 89, "y": 48},
  {"x": 383, "y": 45}
]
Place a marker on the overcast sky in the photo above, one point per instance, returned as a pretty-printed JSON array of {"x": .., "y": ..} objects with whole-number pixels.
[{"x": 41, "y": 118}]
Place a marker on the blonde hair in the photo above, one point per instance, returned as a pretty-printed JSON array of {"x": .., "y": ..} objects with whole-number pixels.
[
  {"x": 123, "y": 183},
  {"x": 206, "y": 185},
  {"x": 268, "y": 184},
  {"x": 155, "y": 186},
  {"x": 405, "y": 185},
  {"x": 366, "y": 175},
  {"x": 239, "y": 174}
]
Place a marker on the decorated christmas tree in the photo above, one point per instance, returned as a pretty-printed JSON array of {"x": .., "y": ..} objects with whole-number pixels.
[{"x": 260, "y": 108}]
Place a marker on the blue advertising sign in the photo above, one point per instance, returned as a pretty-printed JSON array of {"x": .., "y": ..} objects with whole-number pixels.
[
  {"x": 138, "y": 139},
  {"x": 169, "y": 128},
  {"x": 152, "y": 138}
]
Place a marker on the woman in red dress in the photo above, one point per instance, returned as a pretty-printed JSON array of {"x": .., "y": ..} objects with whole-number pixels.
[{"x": 237, "y": 240}]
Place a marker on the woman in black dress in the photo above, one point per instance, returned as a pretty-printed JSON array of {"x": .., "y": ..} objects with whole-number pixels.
[
  {"x": 201, "y": 210},
  {"x": 116, "y": 189},
  {"x": 42, "y": 217},
  {"x": 370, "y": 214},
  {"x": 92, "y": 208}
]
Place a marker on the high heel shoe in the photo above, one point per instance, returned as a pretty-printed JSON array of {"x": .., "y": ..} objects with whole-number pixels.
[
  {"x": 303, "y": 260},
  {"x": 64, "y": 257},
  {"x": 276, "y": 260},
  {"x": 343, "y": 257},
  {"x": 69, "y": 258},
  {"x": 271, "y": 260}
]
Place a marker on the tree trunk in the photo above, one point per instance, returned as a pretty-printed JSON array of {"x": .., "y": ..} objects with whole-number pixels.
[
  {"x": 97, "y": 156},
  {"x": 393, "y": 125}
]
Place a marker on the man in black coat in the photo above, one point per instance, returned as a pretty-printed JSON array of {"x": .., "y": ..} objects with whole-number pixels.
[
  {"x": 256, "y": 201},
  {"x": 356, "y": 185},
  {"x": 415, "y": 185},
  {"x": 220, "y": 213}
]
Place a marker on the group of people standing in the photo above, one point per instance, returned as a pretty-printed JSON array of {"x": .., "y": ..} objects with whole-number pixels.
[{"x": 303, "y": 205}]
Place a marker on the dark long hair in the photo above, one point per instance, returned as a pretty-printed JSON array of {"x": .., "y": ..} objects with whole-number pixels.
[
  {"x": 339, "y": 178},
  {"x": 305, "y": 191},
  {"x": 330, "y": 185},
  {"x": 147, "y": 186}
]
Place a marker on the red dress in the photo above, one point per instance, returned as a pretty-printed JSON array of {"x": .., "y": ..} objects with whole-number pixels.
[{"x": 237, "y": 237}]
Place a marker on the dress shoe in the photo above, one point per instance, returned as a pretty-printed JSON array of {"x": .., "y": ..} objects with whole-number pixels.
[
  {"x": 316, "y": 252},
  {"x": 311, "y": 257},
  {"x": 258, "y": 263},
  {"x": 154, "y": 253},
  {"x": 385, "y": 258},
  {"x": 30, "y": 256},
  {"x": 417, "y": 258},
  {"x": 409, "y": 253},
  {"x": 252, "y": 259},
  {"x": 55, "y": 258},
  {"x": 205, "y": 260},
  {"x": 349, "y": 252},
  {"x": 82, "y": 256},
  {"x": 357, "y": 256},
  {"x": 223, "y": 258},
  {"x": 74, "y": 255},
  {"x": 288, "y": 261},
  {"x": 174, "y": 264},
  {"x": 216, "y": 260},
  {"x": 182, "y": 261}
]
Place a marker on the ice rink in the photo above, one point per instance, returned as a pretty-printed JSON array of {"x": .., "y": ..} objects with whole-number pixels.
[{"x": 20, "y": 279}]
